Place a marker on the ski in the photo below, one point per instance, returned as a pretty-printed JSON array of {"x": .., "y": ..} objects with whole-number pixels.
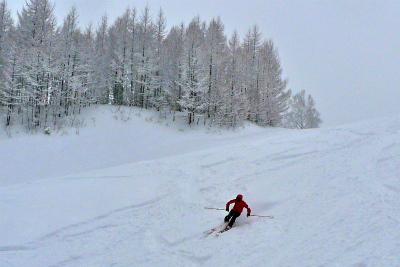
[
  {"x": 222, "y": 231},
  {"x": 215, "y": 229},
  {"x": 208, "y": 232}
]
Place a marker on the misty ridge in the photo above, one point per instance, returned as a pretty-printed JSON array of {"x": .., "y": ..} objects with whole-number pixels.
[{"x": 49, "y": 73}]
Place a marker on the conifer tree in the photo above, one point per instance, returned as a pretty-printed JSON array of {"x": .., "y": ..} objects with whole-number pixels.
[
  {"x": 302, "y": 114},
  {"x": 158, "y": 75},
  {"x": 35, "y": 41},
  {"x": 69, "y": 62},
  {"x": 194, "y": 80},
  {"x": 102, "y": 66},
  {"x": 235, "y": 101},
  {"x": 251, "y": 69},
  {"x": 274, "y": 96},
  {"x": 119, "y": 36},
  {"x": 146, "y": 66},
  {"x": 214, "y": 62},
  {"x": 8, "y": 92},
  {"x": 173, "y": 67}
]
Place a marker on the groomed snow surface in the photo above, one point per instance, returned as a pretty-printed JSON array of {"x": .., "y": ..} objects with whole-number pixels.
[{"x": 133, "y": 192}]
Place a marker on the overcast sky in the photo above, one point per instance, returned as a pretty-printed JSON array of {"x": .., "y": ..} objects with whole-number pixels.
[{"x": 346, "y": 54}]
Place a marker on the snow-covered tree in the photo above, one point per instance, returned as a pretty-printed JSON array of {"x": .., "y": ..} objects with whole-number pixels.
[
  {"x": 158, "y": 75},
  {"x": 102, "y": 81},
  {"x": 37, "y": 65},
  {"x": 146, "y": 67},
  {"x": 233, "y": 110},
  {"x": 194, "y": 77},
  {"x": 302, "y": 113},
  {"x": 88, "y": 64},
  {"x": 173, "y": 67},
  {"x": 69, "y": 61},
  {"x": 119, "y": 37},
  {"x": 134, "y": 59},
  {"x": 266, "y": 89},
  {"x": 214, "y": 64},
  {"x": 274, "y": 96},
  {"x": 8, "y": 93},
  {"x": 251, "y": 70}
]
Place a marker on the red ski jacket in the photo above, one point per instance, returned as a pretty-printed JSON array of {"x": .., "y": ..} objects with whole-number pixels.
[{"x": 238, "y": 207}]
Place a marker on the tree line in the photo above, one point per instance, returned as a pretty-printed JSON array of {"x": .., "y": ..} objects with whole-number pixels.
[{"x": 49, "y": 73}]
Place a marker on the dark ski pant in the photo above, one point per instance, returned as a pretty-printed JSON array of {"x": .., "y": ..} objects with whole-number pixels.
[{"x": 232, "y": 217}]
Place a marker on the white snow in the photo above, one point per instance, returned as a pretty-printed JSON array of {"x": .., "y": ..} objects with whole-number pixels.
[{"x": 133, "y": 194}]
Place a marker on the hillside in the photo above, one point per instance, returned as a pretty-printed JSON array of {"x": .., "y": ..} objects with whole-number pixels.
[{"x": 133, "y": 194}]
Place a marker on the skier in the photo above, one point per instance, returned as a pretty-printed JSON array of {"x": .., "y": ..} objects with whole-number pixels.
[{"x": 236, "y": 211}]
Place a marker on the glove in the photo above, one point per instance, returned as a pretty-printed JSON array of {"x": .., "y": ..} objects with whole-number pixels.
[
  {"x": 227, "y": 209},
  {"x": 248, "y": 214}
]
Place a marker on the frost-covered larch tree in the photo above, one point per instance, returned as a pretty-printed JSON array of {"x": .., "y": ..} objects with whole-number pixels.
[
  {"x": 173, "y": 67},
  {"x": 87, "y": 66},
  {"x": 234, "y": 107},
  {"x": 146, "y": 67},
  {"x": 102, "y": 72},
  {"x": 133, "y": 59},
  {"x": 35, "y": 34},
  {"x": 8, "y": 91},
  {"x": 69, "y": 67},
  {"x": 119, "y": 51},
  {"x": 265, "y": 88},
  {"x": 194, "y": 83},
  {"x": 214, "y": 59},
  {"x": 251, "y": 66},
  {"x": 158, "y": 72},
  {"x": 302, "y": 113},
  {"x": 274, "y": 95}
]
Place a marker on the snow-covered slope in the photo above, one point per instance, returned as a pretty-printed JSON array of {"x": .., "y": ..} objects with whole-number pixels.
[
  {"x": 109, "y": 139},
  {"x": 334, "y": 194}
]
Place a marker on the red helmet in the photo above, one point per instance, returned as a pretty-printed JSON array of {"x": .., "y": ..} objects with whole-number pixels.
[{"x": 239, "y": 196}]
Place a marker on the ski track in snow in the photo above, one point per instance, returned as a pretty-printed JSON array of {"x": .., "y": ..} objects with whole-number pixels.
[{"x": 334, "y": 194}]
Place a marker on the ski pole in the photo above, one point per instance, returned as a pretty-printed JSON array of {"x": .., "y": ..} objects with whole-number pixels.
[
  {"x": 213, "y": 208},
  {"x": 263, "y": 216}
]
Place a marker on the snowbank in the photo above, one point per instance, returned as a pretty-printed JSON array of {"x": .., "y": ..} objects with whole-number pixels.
[{"x": 333, "y": 192}]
